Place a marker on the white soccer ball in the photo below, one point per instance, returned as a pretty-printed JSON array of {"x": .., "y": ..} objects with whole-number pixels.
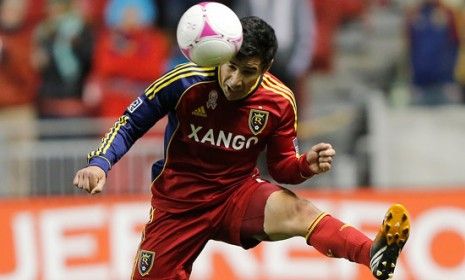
[{"x": 209, "y": 34}]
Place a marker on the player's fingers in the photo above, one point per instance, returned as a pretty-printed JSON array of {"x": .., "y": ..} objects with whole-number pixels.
[
  {"x": 85, "y": 182},
  {"x": 330, "y": 152},
  {"x": 76, "y": 180},
  {"x": 93, "y": 180},
  {"x": 321, "y": 146},
  {"x": 80, "y": 179},
  {"x": 325, "y": 166},
  {"x": 325, "y": 159},
  {"x": 99, "y": 186},
  {"x": 96, "y": 190}
]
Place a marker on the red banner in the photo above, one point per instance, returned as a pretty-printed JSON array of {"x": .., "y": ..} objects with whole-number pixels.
[{"x": 96, "y": 238}]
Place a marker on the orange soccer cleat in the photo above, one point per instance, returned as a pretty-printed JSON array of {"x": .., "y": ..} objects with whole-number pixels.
[{"x": 389, "y": 241}]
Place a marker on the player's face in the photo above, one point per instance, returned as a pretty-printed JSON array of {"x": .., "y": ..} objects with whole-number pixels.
[{"x": 239, "y": 77}]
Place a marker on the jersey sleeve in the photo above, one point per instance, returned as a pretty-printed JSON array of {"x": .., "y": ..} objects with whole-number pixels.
[
  {"x": 285, "y": 164},
  {"x": 137, "y": 119},
  {"x": 159, "y": 99}
]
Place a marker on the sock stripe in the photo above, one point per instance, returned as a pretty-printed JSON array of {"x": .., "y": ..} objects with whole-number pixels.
[{"x": 314, "y": 223}]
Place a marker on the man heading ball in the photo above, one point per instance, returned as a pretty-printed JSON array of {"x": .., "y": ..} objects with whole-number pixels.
[{"x": 207, "y": 185}]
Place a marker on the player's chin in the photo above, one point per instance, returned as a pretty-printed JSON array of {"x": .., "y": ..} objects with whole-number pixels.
[{"x": 230, "y": 95}]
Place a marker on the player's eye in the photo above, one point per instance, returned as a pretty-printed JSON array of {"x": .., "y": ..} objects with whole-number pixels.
[
  {"x": 248, "y": 72},
  {"x": 232, "y": 66}
]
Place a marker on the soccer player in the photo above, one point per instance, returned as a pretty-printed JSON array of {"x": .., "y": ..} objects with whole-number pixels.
[{"x": 207, "y": 185}]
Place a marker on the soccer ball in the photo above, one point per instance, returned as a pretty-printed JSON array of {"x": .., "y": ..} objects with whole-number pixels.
[{"x": 209, "y": 34}]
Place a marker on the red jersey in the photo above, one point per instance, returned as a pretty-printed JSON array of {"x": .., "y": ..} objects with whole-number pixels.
[{"x": 211, "y": 144}]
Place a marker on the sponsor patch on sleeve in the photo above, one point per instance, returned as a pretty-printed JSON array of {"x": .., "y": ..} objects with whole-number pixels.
[
  {"x": 296, "y": 145},
  {"x": 134, "y": 105}
]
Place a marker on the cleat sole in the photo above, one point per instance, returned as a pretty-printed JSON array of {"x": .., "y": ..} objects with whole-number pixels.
[{"x": 396, "y": 225}]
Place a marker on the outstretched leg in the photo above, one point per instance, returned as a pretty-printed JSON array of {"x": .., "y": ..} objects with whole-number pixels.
[{"x": 287, "y": 215}]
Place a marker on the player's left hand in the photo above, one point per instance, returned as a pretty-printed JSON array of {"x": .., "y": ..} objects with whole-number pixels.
[{"x": 320, "y": 157}]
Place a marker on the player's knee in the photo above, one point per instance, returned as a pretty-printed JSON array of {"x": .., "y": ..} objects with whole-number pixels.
[
  {"x": 301, "y": 215},
  {"x": 288, "y": 215}
]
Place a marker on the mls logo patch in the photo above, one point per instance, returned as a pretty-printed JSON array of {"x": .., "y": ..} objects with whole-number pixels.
[
  {"x": 145, "y": 262},
  {"x": 134, "y": 105},
  {"x": 257, "y": 120},
  {"x": 296, "y": 146}
]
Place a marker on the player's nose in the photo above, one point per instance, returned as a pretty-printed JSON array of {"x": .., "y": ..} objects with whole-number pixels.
[{"x": 235, "y": 81}]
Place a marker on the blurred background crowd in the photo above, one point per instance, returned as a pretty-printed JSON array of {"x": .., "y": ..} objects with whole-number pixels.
[{"x": 382, "y": 80}]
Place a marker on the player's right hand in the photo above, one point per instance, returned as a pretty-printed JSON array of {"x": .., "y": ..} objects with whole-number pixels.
[
  {"x": 91, "y": 179},
  {"x": 320, "y": 157}
]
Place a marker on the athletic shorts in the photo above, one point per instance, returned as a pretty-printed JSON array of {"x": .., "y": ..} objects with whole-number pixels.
[{"x": 171, "y": 242}]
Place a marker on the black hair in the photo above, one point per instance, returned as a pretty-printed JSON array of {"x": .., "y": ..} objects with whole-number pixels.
[{"x": 259, "y": 40}]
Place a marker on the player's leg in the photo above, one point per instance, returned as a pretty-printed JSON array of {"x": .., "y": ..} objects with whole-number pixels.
[
  {"x": 241, "y": 222},
  {"x": 169, "y": 246},
  {"x": 287, "y": 215},
  {"x": 275, "y": 213}
]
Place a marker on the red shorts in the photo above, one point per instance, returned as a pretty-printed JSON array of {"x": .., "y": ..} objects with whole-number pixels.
[{"x": 171, "y": 242}]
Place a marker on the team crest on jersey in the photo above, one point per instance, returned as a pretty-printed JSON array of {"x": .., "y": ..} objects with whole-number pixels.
[
  {"x": 257, "y": 120},
  {"x": 145, "y": 262},
  {"x": 212, "y": 99}
]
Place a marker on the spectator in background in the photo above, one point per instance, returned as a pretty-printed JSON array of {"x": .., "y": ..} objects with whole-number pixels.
[
  {"x": 92, "y": 12},
  {"x": 433, "y": 45},
  {"x": 129, "y": 54},
  {"x": 17, "y": 77},
  {"x": 64, "y": 45},
  {"x": 18, "y": 83},
  {"x": 460, "y": 67},
  {"x": 327, "y": 17},
  {"x": 295, "y": 28},
  {"x": 354, "y": 9}
]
